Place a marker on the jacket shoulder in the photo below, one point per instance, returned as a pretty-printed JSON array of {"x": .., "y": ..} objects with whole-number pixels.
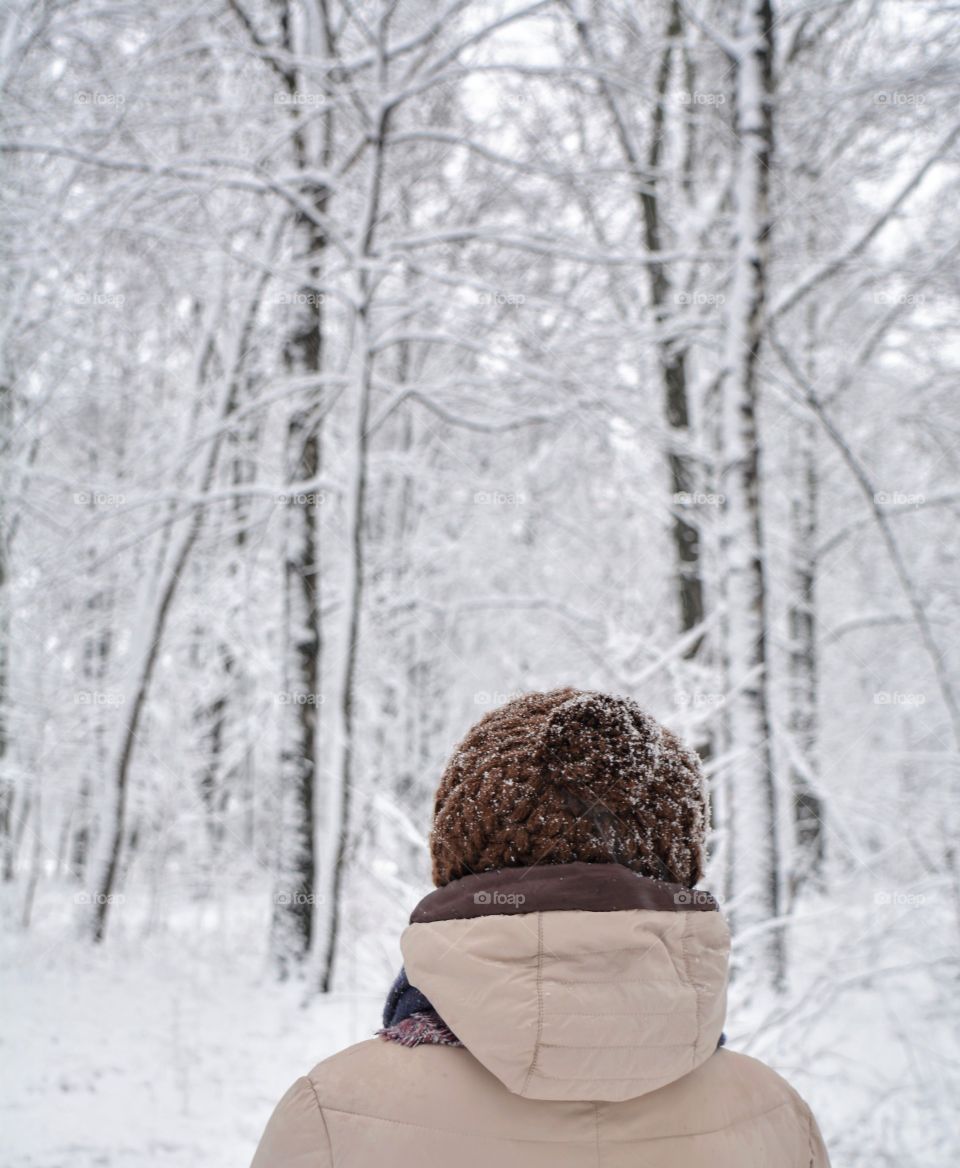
[
  {"x": 440, "y": 1089},
  {"x": 777, "y": 1093},
  {"x": 753, "y": 1078},
  {"x": 733, "y": 1093},
  {"x": 729, "y": 1087},
  {"x": 296, "y": 1134},
  {"x": 358, "y": 1073}
]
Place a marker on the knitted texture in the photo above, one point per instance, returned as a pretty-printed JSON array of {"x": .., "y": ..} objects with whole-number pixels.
[{"x": 568, "y": 775}]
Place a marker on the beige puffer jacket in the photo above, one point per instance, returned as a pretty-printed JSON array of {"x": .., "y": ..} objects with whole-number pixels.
[{"x": 590, "y": 1003}]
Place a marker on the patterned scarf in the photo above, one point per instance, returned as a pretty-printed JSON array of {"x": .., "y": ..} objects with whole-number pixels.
[{"x": 408, "y": 1018}]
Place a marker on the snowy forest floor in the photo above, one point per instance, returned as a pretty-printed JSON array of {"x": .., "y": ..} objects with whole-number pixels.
[
  {"x": 171, "y": 1052},
  {"x": 170, "y": 1049}
]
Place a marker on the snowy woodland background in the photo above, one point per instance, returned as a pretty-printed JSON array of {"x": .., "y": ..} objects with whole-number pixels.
[{"x": 366, "y": 362}]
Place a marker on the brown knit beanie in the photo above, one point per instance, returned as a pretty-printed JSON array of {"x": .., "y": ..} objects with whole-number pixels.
[{"x": 550, "y": 778}]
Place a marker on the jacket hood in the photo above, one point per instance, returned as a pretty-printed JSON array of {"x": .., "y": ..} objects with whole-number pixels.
[{"x": 574, "y": 981}]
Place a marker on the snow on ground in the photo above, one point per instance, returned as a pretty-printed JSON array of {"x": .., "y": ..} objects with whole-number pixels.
[{"x": 157, "y": 1052}]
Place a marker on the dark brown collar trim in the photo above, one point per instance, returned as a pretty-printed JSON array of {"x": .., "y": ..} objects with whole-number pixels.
[{"x": 554, "y": 887}]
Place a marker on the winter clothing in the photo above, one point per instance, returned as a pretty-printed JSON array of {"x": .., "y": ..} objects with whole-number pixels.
[
  {"x": 410, "y": 1019},
  {"x": 408, "y": 1015},
  {"x": 551, "y": 778},
  {"x": 590, "y": 1001},
  {"x": 567, "y": 985},
  {"x": 403, "y": 1000},
  {"x": 422, "y": 1028}
]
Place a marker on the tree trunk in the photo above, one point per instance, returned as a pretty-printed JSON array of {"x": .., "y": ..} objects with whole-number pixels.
[
  {"x": 808, "y": 850},
  {"x": 341, "y": 793},
  {"x": 295, "y": 902},
  {"x": 682, "y": 473},
  {"x": 682, "y": 469},
  {"x": 7, "y": 789},
  {"x": 753, "y": 785}
]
